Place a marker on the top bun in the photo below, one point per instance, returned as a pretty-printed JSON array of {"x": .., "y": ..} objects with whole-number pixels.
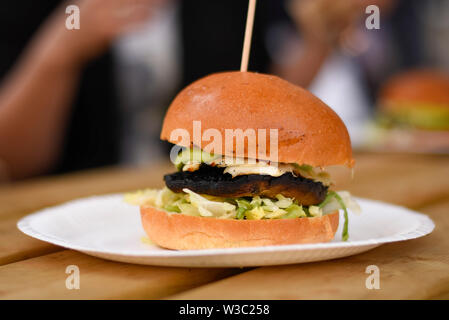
[
  {"x": 417, "y": 86},
  {"x": 309, "y": 132}
]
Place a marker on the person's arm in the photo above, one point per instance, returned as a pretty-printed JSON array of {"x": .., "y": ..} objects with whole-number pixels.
[
  {"x": 34, "y": 101},
  {"x": 303, "y": 63},
  {"x": 36, "y": 95},
  {"x": 321, "y": 24}
]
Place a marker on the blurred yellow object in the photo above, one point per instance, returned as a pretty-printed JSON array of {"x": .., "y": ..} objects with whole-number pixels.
[{"x": 146, "y": 240}]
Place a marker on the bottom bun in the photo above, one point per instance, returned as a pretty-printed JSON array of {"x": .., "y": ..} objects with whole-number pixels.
[{"x": 183, "y": 232}]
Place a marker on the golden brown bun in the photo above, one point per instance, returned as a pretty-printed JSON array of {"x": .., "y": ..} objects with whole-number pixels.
[
  {"x": 183, "y": 232},
  {"x": 418, "y": 86},
  {"x": 309, "y": 131}
]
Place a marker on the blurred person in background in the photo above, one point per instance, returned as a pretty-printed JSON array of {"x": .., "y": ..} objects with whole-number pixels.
[
  {"x": 72, "y": 100},
  {"x": 57, "y": 105}
]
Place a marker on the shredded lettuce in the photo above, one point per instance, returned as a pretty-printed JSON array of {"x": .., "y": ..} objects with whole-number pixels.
[
  {"x": 240, "y": 214},
  {"x": 256, "y": 213},
  {"x": 294, "y": 211},
  {"x": 344, "y": 234},
  {"x": 315, "y": 211},
  {"x": 340, "y": 200},
  {"x": 331, "y": 203},
  {"x": 245, "y": 208},
  {"x": 194, "y": 155},
  {"x": 143, "y": 197},
  {"x": 283, "y": 202},
  {"x": 208, "y": 208}
]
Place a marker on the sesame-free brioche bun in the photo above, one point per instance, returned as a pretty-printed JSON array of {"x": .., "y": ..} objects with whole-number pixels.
[
  {"x": 309, "y": 132},
  {"x": 424, "y": 86},
  {"x": 183, "y": 232}
]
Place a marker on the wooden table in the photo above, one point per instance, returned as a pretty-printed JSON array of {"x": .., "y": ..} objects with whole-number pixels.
[{"x": 416, "y": 269}]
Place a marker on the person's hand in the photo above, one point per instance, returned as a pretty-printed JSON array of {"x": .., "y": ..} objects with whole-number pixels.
[
  {"x": 101, "y": 21},
  {"x": 324, "y": 21}
]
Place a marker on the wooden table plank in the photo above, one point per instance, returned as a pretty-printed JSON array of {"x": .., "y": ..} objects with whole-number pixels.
[
  {"x": 16, "y": 246},
  {"x": 20, "y": 199},
  {"x": 415, "y": 269},
  {"x": 43, "y": 192},
  {"x": 44, "y": 278},
  {"x": 409, "y": 180}
]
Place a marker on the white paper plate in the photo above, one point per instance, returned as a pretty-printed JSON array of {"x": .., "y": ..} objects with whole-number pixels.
[{"x": 106, "y": 227}]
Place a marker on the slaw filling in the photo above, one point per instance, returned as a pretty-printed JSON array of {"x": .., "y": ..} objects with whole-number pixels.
[{"x": 245, "y": 208}]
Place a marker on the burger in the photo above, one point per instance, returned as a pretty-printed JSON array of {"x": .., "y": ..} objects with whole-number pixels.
[
  {"x": 230, "y": 196},
  {"x": 413, "y": 111}
]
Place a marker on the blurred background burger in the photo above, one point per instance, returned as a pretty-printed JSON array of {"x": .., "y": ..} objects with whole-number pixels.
[{"x": 413, "y": 112}]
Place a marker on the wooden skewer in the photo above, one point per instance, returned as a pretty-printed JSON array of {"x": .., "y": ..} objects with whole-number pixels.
[{"x": 248, "y": 35}]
